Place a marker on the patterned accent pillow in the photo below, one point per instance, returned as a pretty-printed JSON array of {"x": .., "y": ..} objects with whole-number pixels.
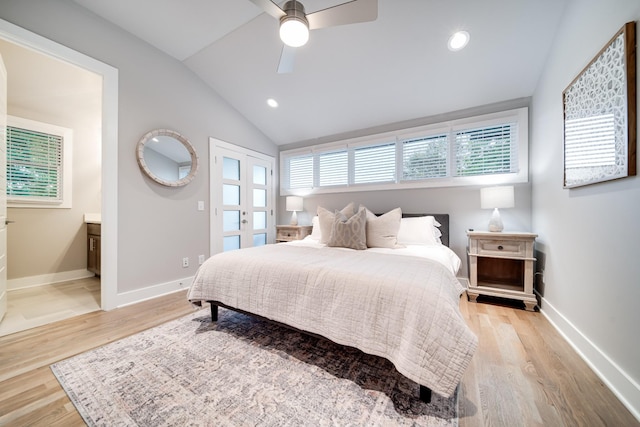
[
  {"x": 349, "y": 232},
  {"x": 382, "y": 231},
  {"x": 326, "y": 217}
]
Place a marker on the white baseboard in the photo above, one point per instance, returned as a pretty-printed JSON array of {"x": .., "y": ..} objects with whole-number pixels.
[
  {"x": 618, "y": 381},
  {"x": 154, "y": 291},
  {"x": 47, "y": 279}
]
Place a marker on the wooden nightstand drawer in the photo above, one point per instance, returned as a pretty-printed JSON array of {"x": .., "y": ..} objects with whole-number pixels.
[
  {"x": 287, "y": 233},
  {"x": 509, "y": 248}
]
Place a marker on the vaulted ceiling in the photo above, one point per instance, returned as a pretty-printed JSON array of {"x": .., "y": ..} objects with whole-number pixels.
[{"x": 356, "y": 76}]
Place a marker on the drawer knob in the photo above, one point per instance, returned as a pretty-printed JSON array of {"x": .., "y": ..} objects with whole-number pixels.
[{"x": 500, "y": 247}]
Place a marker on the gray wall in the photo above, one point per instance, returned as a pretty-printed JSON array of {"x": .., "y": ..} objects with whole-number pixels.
[
  {"x": 157, "y": 226},
  {"x": 589, "y": 236}
]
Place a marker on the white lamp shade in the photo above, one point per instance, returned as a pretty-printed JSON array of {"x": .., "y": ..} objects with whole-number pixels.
[
  {"x": 497, "y": 197},
  {"x": 294, "y": 203}
]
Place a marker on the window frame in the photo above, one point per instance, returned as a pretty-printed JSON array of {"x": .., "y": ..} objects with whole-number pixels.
[
  {"x": 519, "y": 115},
  {"x": 65, "y": 202}
]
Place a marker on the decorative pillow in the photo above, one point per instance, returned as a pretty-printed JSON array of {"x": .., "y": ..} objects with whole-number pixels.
[
  {"x": 326, "y": 218},
  {"x": 349, "y": 232},
  {"x": 421, "y": 230},
  {"x": 382, "y": 231},
  {"x": 315, "y": 231}
]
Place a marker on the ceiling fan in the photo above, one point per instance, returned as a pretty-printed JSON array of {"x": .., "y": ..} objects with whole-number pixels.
[{"x": 295, "y": 23}]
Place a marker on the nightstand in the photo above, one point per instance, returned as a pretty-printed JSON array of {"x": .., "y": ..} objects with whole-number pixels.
[
  {"x": 502, "y": 265},
  {"x": 287, "y": 233}
]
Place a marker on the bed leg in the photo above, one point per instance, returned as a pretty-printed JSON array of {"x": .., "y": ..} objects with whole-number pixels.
[
  {"x": 214, "y": 311},
  {"x": 425, "y": 394}
]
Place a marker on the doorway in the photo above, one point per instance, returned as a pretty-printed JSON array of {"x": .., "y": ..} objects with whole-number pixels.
[
  {"x": 105, "y": 154},
  {"x": 242, "y": 197}
]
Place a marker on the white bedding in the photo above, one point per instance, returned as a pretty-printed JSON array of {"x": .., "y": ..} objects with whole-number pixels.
[
  {"x": 439, "y": 253},
  {"x": 403, "y": 308}
]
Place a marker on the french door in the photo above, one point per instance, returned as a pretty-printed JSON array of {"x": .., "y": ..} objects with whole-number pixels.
[{"x": 242, "y": 197}]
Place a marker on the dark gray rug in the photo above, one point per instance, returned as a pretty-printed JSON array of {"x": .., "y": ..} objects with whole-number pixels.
[{"x": 241, "y": 371}]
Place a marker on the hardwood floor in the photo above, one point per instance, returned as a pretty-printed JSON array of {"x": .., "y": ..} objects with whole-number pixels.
[{"x": 523, "y": 374}]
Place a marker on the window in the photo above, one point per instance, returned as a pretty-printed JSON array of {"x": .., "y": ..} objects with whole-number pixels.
[
  {"x": 38, "y": 164},
  {"x": 333, "y": 168},
  {"x": 425, "y": 157},
  {"x": 486, "y": 150},
  {"x": 489, "y": 149},
  {"x": 374, "y": 163}
]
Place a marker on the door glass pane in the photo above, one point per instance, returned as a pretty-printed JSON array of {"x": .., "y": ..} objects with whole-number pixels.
[
  {"x": 231, "y": 243},
  {"x": 259, "y": 198},
  {"x": 231, "y": 221},
  {"x": 231, "y": 169},
  {"x": 230, "y": 194},
  {"x": 259, "y": 239},
  {"x": 259, "y": 220},
  {"x": 259, "y": 175}
]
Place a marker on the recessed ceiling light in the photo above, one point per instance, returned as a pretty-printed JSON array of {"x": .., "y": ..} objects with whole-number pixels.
[
  {"x": 272, "y": 103},
  {"x": 458, "y": 40}
]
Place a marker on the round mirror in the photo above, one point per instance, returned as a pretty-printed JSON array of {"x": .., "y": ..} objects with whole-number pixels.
[{"x": 167, "y": 157}]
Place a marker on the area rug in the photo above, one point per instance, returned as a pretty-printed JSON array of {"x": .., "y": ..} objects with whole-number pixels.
[{"x": 241, "y": 371}]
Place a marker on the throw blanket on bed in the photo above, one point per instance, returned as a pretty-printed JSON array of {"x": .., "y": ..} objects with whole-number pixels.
[{"x": 402, "y": 308}]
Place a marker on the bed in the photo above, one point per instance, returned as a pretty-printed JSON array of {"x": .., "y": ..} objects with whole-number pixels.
[{"x": 400, "y": 302}]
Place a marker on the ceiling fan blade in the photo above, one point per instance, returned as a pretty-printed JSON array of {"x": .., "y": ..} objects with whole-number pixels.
[
  {"x": 346, "y": 13},
  {"x": 287, "y": 58},
  {"x": 270, "y": 7}
]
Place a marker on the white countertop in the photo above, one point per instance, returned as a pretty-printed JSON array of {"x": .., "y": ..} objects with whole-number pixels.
[{"x": 93, "y": 218}]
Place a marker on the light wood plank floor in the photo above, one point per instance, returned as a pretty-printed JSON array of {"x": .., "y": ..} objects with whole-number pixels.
[{"x": 523, "y": 374}]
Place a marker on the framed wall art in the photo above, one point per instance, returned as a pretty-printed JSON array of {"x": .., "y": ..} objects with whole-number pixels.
[{"x": 600, "y": 126}]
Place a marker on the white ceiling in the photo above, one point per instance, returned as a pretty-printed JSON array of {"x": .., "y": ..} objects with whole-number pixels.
[{"x": 356, "y": 76}]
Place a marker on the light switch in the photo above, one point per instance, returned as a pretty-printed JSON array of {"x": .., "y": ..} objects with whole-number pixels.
[{"x": 200, "y": 205}]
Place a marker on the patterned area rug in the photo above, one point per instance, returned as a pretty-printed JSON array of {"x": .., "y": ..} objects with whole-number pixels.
[{"x": 241, "y": 371}]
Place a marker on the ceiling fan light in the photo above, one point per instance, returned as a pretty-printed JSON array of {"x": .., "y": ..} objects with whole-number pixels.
[
  {"x": 458, "y": 41},
  {"x": 294, "y": 31}
]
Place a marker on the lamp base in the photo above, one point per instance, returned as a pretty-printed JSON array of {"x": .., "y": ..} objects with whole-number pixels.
[
  {"x": 495, "y": 223},
  {"x": 294, "y": 219}
]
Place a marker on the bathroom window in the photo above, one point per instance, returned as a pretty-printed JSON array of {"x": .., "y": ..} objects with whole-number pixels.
[{"x": 38, "y": 164}]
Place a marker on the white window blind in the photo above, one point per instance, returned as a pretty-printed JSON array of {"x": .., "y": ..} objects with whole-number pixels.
[
  {"x": 34, "y": 165},
  {"x": 486, "y": 150},
  {"x": 300, "y": 171},
  {"x": 425, "y": 157},
  {"x": 375, "y": 163},
  {"x": 333, "y": 168},
  {"x": 590, "y": 142},
  {"x": 481, "y": 150}
]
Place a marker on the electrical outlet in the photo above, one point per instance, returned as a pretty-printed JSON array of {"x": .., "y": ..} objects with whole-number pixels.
[
  {"x": 200, "y": 259},
  {"x": 185, "y": 262},
  {"x": 200, "y": 205}
]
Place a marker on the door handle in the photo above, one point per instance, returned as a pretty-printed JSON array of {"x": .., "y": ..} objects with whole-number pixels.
[
  {"x": 244, "y": 221},
  {"x": 7, "y": 222}
]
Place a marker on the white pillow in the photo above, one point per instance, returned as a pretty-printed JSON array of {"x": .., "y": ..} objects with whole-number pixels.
[
  {"x": 326, "y": 218},
  {"x": 382, "y": 231},
  {"x": 315, "y": 231},
  {"x": 421, "y": 230}
]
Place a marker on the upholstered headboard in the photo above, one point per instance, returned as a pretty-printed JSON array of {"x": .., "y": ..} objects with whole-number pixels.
[{"x": 443, "y": 219}]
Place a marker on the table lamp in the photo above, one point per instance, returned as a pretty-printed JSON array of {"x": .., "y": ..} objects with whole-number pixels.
[
  {"x": 294, "y": 204},
  {"x": 494, "y": 198}
]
